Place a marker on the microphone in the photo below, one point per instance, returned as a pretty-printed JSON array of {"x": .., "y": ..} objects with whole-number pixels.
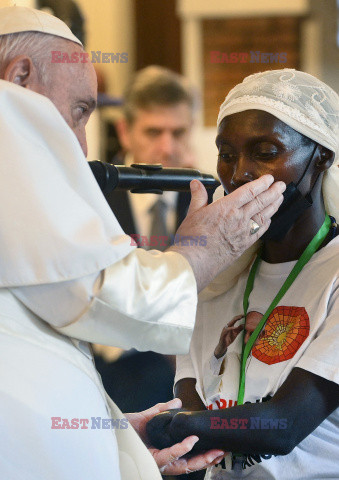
[{"x": 144, "y": 178}]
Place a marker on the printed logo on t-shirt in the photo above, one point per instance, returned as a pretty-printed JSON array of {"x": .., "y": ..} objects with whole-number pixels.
[{"x": 285, "y": 331}]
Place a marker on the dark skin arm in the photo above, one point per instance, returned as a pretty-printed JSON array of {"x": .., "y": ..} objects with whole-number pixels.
[
  {"x": 304, "y": 400},
  {"x": 185, "y": 390}
]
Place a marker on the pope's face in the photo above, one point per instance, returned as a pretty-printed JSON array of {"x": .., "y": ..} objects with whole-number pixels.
[
  {"x": 72, "y": 87},
  {"x": 161, "y": 134},
  {"x": 253, "y": 143}
]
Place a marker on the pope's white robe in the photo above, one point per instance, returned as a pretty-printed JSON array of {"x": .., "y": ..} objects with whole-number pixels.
[{"x": 69, "y": 274}]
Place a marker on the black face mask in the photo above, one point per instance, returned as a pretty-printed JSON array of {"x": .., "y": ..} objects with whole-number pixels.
[{"x": 293, "y": 205}]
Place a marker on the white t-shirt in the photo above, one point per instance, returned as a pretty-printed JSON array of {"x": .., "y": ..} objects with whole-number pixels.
[{"x": 302, "y": 331}]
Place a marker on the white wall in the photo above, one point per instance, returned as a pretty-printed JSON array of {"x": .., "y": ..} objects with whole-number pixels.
[
  {"x": 109, "y": 28},
  {"x": 205, "y": 150}
]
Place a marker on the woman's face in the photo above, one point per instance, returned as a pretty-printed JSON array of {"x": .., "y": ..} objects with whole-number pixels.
[{"x": 253, "y": 143}]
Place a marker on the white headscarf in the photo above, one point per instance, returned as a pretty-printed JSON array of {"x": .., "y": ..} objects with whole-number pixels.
[
  {"x": 304, "y": 103},
  {"x": 301, "y": 101}
]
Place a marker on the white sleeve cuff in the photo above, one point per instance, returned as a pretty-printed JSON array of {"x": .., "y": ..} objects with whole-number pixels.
[
  {"x": 184, "y": 368},
  {"x": 147, "y": 301},
  {"x": 215, "y": 364}
]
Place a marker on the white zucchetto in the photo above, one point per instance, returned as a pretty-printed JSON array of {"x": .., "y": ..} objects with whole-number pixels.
[{"x": 23, "y": 19}]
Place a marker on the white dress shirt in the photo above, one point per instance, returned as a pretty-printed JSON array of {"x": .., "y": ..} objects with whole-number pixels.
[{"x": 141, "y": 203}]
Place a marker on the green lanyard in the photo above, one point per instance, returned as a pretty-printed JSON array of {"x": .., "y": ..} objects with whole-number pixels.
[{"x": 311, "y": 248}]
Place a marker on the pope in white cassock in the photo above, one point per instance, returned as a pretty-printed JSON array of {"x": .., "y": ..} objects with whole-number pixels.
[{"x": 69, "y": 275}]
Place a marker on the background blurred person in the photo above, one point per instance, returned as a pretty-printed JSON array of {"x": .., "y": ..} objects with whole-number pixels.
[{"x": 156, "y": 128}]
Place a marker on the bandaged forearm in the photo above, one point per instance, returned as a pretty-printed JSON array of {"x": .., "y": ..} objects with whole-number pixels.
[{"x": 250, "y": 428}]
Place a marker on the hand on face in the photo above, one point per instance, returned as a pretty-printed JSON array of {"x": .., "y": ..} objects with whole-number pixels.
[
  {"x": 226, "y": 224},
  {"x": 254, "y": 143}
]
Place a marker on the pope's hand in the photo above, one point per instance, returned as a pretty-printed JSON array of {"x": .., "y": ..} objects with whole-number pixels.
[
  {"x": 223, "y": 227},
  {"x": 169, "y": 460}
]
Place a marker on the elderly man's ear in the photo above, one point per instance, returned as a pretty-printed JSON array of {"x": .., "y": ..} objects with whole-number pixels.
[
  {"x": 22, "y": 71},
  {"x": 325, "y": 159}
]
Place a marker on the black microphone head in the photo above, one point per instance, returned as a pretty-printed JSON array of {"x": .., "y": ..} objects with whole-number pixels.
[
  {"x": 99, "y": 172},
  {"x": 105, "y": 174}
]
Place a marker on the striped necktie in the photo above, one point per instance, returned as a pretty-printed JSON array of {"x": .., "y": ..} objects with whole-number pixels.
[{"x": 159, "y": 225}]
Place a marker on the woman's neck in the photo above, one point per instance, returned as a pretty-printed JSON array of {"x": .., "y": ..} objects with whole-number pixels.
[{"x": 298, "y": 237}]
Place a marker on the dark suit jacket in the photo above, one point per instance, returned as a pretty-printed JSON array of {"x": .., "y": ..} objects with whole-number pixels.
[{"x": 122, "y": 209}]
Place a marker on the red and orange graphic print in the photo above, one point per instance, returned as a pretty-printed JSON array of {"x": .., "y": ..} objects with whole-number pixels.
[{"x": 285, "y": 331}]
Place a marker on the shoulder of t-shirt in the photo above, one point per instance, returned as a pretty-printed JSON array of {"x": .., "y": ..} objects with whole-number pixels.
[{"x": 328, "y": 256}]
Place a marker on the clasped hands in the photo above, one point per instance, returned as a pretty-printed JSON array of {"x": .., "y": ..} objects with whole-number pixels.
[{"x": 168, "y": 447}]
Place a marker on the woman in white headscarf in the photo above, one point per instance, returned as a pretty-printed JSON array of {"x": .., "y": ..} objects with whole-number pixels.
[{"x": 266, "y": 337}]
